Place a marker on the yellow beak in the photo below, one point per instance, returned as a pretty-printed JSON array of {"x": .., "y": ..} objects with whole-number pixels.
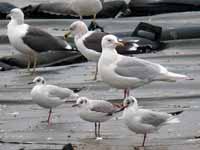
[
  {"x": 119, "y": 43},
  {"x": 66, "y": 35}
]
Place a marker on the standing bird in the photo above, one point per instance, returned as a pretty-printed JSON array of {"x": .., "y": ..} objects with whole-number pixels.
[
  {"x": 96, "y": 111},
  {"x": 144, "y": 121},
  {"x": 89, "y": 43},
  {"x": 49, "y": 96},
  {"x": 30, "y": 40},
  {"x": 126, "y": 72},
  {"x": 87, "y": 8}
]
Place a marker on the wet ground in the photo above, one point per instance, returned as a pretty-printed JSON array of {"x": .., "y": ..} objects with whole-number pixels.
[{"x": 21, "y": 121}]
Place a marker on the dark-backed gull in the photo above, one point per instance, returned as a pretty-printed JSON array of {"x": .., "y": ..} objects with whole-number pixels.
[
  {"x": 89, "y": 42},
  {"x": 30, "y": 40}
]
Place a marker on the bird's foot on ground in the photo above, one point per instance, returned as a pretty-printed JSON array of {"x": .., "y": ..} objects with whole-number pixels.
[
  {"x": 99, "y": 138},
  {"x": 94, "y": 26}
]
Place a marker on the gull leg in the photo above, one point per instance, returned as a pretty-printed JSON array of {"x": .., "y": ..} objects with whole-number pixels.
[
  {"x": 49, "y": 117},
  {"x": 96, "y": 72},
  {"x": 128, "y": 92},
  {"x": 94, "y": 20},
  {"x": 35, "y": 63},
  {"x": 125, "y": 93},
  {"x": 99, "y": 125},
  {"x": 95, "y": 129},
  {"x": 145, "y": 135},
  {"x": 81, "y": 17},
  {"x": 29, "y": 63}
]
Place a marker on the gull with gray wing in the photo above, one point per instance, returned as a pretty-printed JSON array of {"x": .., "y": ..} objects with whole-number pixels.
[
  {"x": 31, "y": 40},
  {"x": 144, "y": 121},
  {"x": 124, "y": 72},
  {"x": 89, "y": 42},
  {"x": 50, "y": 96},
  {"x": 96, "y": 111}
]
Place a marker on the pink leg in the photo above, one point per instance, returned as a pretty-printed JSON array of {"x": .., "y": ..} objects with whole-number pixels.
[
  {"x": 145, "y": 135},
  {"x": 49, "y": 117}
]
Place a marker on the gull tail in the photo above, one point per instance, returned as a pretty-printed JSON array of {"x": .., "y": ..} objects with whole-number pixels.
[
  {"x": 174, "y": 76},
  {"x": 173, "y": 120},
  {"x": 176, "y": 113}
]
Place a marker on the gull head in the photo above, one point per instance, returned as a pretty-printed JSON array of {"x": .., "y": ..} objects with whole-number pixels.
[
  {"x": 77, "y": 28},
  {"x": 130, "y": 101},
  {"x": 81, "y": 102},
  {"x": 110, "y": 42},
  {"x": 38, "y": 81},
  {"x": 17, "y": 15}
]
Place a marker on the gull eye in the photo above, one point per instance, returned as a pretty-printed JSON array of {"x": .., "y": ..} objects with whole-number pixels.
[
  {"x": 109, "y": 40},
  {"x": 38, "y": 80},
  {"x": 81, "y": 102},
  {"x": 128, "y": 102}
]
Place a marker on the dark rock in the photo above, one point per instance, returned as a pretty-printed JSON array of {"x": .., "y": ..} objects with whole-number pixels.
[
  {"x": 152, "y": 7},
  {"x": 112, "y": 8},
  {"x": 44, "y": 59},
  {"x": 49, "y": 10},
  {"x": 5, "y": 9},
  {"x": 68, "y": 147}
]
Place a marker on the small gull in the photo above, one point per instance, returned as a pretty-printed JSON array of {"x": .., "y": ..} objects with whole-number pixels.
[
  {"x": 50, "y": 96},
  {"x": 89, "y": 42},
  {"x": 31, "y": 40},
  {"x": 143, "y": 121},
  {"x": 124, "y": 72},
  {"x": 96, "y": 111}
]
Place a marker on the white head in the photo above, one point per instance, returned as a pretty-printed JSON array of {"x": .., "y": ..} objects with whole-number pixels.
[
  {"x": 78, "y": 28},
  {"x": 16, "y": 15},
  {"x": 110, "y": 42},
  {"x": 81, "y": 102},
  {"x": 130, "y": 101},
  {"x": 38, "y": 81}
]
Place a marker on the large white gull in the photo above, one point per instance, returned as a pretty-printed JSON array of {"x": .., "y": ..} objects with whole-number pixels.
[
  {"x": 144, "y": 121},
  {"x": 30, "y": 40},
  {"x": 124, "y": 72},
  {"x": 89, "y": 42},
  {"x": 96, "y": 111},
  {"x": 50, "y": 96}
]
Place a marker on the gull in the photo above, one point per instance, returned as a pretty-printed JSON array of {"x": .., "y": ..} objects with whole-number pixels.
[
  {"x": 96, "y": 111},
  {"x": 124, "y": 72},
  {"x": 87, "y": 8},
  {"x": 144, "y": 121},
  {"x": 50, "y": 96},
  {"x": 89, "y": 42},
  {"x": 31, "y": 40}
]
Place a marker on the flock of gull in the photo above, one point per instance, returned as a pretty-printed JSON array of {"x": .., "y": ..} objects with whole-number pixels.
[{"x": 113, "y": 64}]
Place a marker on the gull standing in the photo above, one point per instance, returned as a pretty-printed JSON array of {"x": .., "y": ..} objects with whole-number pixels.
[
  {"x": 96, "y": 111},
  {"x": 50, "y": 96},
  {"x": 143, "y": 121},
  {"x": 125, "y": 72},
  {"x": 89, "y": 42},
  {"x": 87, "y": 8},
  {"x": 30, "y": 40}
]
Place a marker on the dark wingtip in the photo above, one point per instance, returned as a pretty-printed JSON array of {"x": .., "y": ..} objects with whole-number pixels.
[{"x": 176, "y": 113}]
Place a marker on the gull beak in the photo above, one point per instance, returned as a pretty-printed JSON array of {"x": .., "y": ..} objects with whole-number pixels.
[
  {"x": 31, "y": 82},
  {"x": 67, "y": 34},
  {"x": 119, "y": 43},
  {"x": 8, "y": 16},
  {"x": 75, "y": 105}
]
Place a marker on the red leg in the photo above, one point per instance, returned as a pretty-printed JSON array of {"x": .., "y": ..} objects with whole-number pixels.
[
  {"x": 49, "y": 117},
  {"x": 145, "y": 135}
]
